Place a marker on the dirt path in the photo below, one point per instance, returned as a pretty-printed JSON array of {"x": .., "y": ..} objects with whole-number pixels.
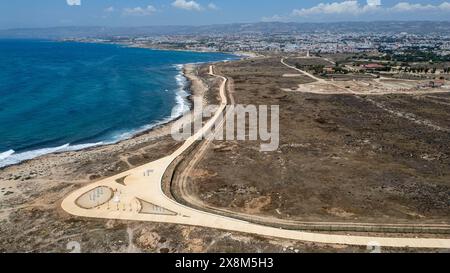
[
  {"x": 182, "y": 192},
  {"x": 408, "y": 116}
]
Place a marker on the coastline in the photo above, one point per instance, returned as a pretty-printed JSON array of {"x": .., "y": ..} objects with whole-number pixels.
[
  {"x": 242, "y": 54},
  {"x": 191, "y": 84}
]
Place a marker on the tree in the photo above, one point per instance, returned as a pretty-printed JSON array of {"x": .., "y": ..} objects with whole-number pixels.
[{"x": 318, "y": 69}]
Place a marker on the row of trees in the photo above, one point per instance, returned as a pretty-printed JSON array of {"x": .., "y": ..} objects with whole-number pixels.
[
  {"x": 420, "y": 70},
  {"x": 316, "y": 69},
  {"x": 426, "y": 70},
  {"x": 338, "y": 69}
]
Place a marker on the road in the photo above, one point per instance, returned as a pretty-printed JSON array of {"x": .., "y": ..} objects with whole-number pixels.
[
  {"x": 138, "y": 196},
  {"x": 303, "y": 72}
]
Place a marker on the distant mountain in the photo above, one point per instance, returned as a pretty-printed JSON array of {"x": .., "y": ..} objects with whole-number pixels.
[{"x": 261, "y": 28}]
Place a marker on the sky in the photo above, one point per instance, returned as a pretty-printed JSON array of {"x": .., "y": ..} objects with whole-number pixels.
[{"x": 50, "y": 13}]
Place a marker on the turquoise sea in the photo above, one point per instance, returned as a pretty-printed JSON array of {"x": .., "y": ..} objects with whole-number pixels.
[{"x": 61, "y": 96}]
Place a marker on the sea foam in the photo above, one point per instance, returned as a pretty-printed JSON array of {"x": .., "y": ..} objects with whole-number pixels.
[
  {"x": 6, "y": 154},
  {"x": 11, "y": 158},
  {"x": 182, "y": 104}
]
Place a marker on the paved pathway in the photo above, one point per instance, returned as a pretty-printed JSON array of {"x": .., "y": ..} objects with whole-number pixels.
[{"x": 138, "y": 196}]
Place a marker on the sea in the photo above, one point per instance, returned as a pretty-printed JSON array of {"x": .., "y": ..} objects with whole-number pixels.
[{"x": 66, "y": 96}]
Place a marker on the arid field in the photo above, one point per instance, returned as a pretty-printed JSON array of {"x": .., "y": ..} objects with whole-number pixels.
[{"x": 343, "y": 158}]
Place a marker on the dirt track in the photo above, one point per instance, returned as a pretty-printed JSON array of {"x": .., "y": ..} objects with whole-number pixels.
[
  {"x": 342, "y": 158},
  {"x": 139, "y": 196}
]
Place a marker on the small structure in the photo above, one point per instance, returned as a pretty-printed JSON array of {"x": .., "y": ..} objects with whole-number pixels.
[
  {"x": 432, "y": 84},
  {"x": 372, "y": 66},
  {"x": 437, "y": 83},
  {"x": 329, "y": 69}
]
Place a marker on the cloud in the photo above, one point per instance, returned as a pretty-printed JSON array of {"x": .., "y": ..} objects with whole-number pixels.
[
  {"x": 73, "y": 2},
  {"x": 275, "y": 18},
  {"x": 354, "y": 8},
  {"x": 407, "y": 7},
  {"x": 138, "y": 11},
  {"x": 110, "y": 9},
  {"x": 345, "y": 7},
  {"x": 374, "y": 2},
  {"x": 212, "y": 6},
  {"x": 187, "y": 5}
]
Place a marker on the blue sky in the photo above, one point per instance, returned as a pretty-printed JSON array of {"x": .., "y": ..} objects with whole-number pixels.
[{"x": 44, "y": 13}]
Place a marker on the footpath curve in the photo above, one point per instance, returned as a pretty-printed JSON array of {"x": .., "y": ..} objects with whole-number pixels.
[{"x": 137, "y": 195}]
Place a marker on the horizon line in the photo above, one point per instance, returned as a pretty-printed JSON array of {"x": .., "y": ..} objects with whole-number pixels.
[{"x": 236, "y": 23}]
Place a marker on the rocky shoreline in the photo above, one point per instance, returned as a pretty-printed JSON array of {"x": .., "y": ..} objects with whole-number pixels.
[{"x": 22, "y": 184}]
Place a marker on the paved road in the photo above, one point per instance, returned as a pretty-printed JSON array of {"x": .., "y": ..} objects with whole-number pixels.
[{"x": 139, "y": 197}]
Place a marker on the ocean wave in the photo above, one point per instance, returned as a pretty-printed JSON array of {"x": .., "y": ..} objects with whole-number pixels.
[
  {"x": 12, "y": 158},
  {"x": 182, "y": 103},
  {"x": 6, "y": 154}
]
